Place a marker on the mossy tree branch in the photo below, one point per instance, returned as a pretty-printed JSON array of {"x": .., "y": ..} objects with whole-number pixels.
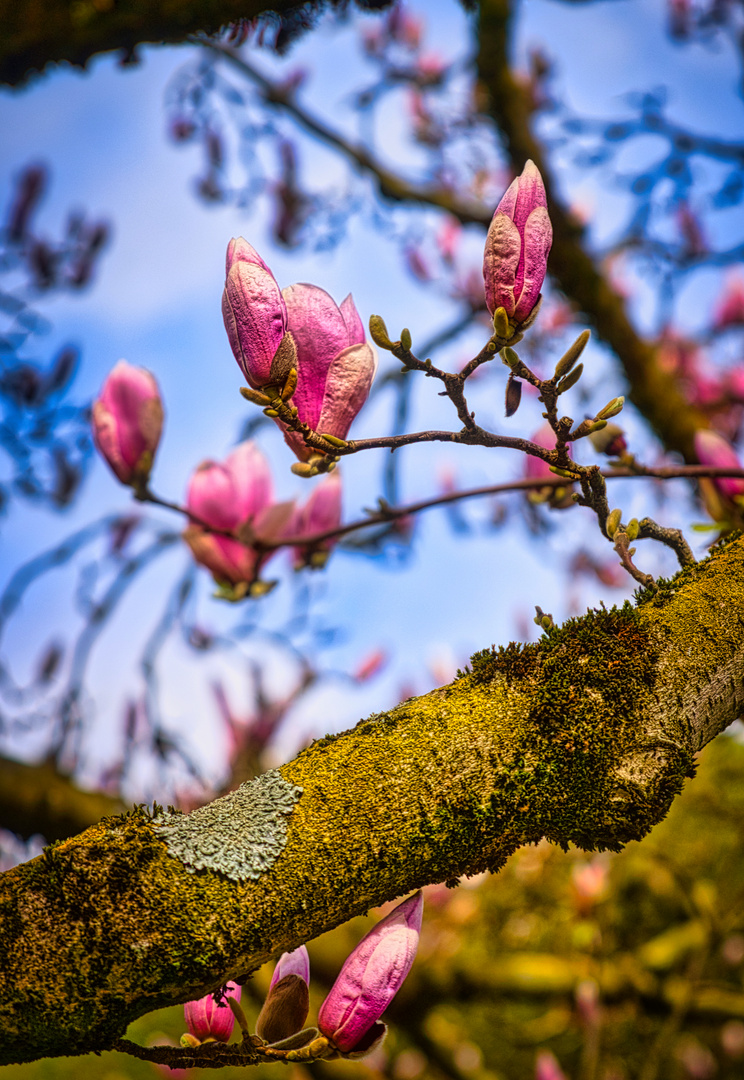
[{"x": 584, "y": 738}]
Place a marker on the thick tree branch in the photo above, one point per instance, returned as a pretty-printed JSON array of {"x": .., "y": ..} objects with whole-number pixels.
[
  {"x": 40, "y": 799},
  {"x": 42, "y": 32},
  {"x": 585, "y": 738}
]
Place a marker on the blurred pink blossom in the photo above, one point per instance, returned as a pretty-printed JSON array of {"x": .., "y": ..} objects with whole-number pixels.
[
  {"x": 321, "y": 512},
  {"x": 127, "y": 420},
  {"x": 712, "y": 449},
  {"x": 729, "y": 311}
]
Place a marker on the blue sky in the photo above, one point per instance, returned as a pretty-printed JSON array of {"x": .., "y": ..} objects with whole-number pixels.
[{"x": 156, "y": 302}]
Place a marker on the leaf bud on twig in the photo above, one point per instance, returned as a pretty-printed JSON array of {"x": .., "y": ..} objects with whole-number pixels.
[
  {"x": 501, "y": 324},
  {"x": 571, "y": 355},
  {"x": 612, "y": 408},
  {"x": 379, "y": 333},
  {"x": 613, "y": 522},
  {"x": 254, "y": 396},
  {"x": 405, "y": 338},
  {"x": 570, "y": 380},
  {"x": 510, "y": 358},
  {"x": 632, "y": 529}
]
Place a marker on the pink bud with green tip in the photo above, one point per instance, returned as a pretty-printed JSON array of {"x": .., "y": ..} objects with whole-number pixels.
[
  {"x": 208, "y": 1019},
  {"x": 127, "y": 420},
  {"x": 516, "y": 254},
  {"x": 335, "y": 365},
  {"x": 254, "y": 311},
  {"x": 371, "y": 977}
]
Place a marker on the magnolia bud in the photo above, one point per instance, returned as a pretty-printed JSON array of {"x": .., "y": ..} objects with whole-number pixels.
[
  {"x": 613, "y": 522},
  {"x": 285, "y": 1010},
  {"x": 405, "y": 338},
  {"x": 127, "y": 420}
]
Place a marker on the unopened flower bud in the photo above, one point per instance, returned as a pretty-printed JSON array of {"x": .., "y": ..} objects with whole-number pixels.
[
  {"x": 127, "y": 420},
  {"x": 285, "y": 1010},
  {"x": 255, "y": 315},
  {"x": 370, "y": 979},
  {"x": 209, "y": 1019},
  {"x": 517, "y": 245}
]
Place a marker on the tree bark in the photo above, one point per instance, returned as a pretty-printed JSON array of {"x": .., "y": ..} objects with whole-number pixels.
[{"x": 585, "y": 737}]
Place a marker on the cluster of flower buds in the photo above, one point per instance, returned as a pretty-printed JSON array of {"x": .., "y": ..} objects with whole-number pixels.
[
  {"x": 127, "y": 420},
  {"x": 349, "y": 1019},
  {"x": 296, "y": 346}
]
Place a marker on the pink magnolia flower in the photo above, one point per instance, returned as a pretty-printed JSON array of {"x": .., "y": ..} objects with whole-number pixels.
[
  {"x": 254, "y": 312},
  {"x": 335, "y": 365},
  {"x": 712, "y": 449},
  {"x": 206, "y": 1019},
  {"x": 127, "y": 420},
  {"x": 321, "y": 512},
  {"x": 233, "y": 496},
  {"x": 517, "y": 245},
  {"x": 371, "y": 977}
]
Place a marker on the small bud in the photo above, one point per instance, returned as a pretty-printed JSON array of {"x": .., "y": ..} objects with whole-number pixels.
[
  {"x": 405, "y": 338},
  {"x": 571, "y": 355},
  {"x": 340, "y": 443},
  {"x": 379, "y": 333},
  {"x": 513, "y": 395},
  {"x": 613, "y": 522},
  {"x": 303, "y": 468},
  {"x": 632, "y": 529},
  {"x": 598, "y": 425},
  {"x": 543, "y": 619},
  {"x": 570, "y": 379},
  {"x": 510, "y": 358},
  {"x": 254, "y": 396},
  {"x": 612, "y": 408},
  {"x": 565, "y": 473},
  {"x": 270, "y": 412},
  {"x": 501, "y": 324},
  {"x": 290, "y": 385}
]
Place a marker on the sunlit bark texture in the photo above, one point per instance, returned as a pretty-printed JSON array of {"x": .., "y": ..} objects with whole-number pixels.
[{"x": 584, "y": 737}]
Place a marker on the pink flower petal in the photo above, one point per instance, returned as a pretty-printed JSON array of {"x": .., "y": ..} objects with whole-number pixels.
[
  {"x": 320, "y": 332},
  {"x": 500, "y": 262},
  {"x": 538, "y": 237},
  {"x": 354, "y": 325},
  {"x": 347, "y": 388}
]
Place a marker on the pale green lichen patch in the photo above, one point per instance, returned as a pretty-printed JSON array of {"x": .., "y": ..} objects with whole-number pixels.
[{"x": 240, "y": 835}]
